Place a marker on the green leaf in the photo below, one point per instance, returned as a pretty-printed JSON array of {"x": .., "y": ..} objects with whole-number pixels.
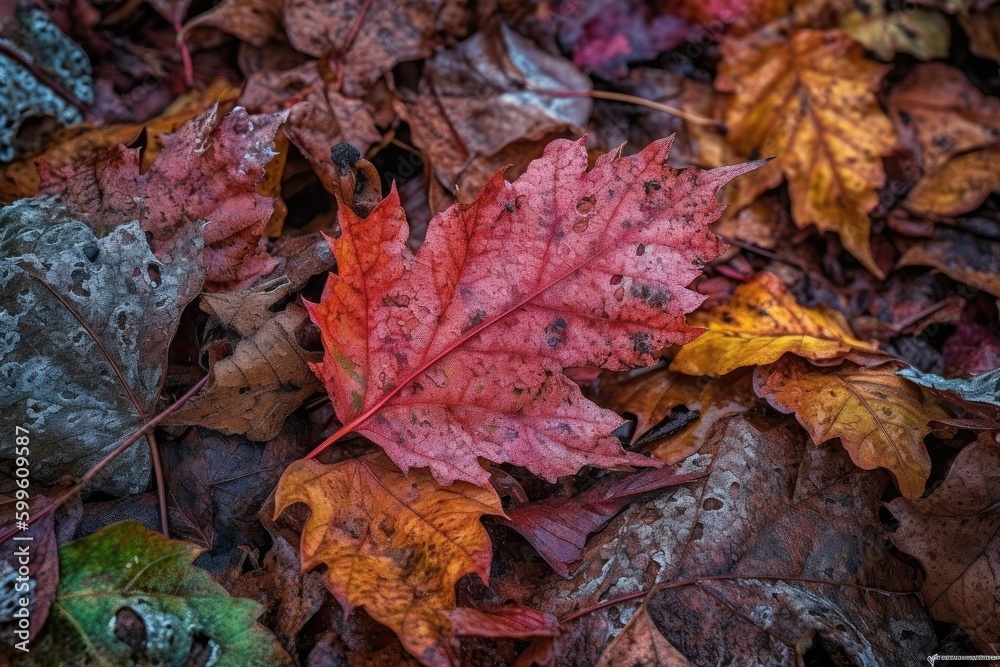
[{"x": 129, "y": 596}]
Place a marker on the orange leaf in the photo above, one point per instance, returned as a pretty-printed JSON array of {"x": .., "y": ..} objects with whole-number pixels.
[
  {"x": 392, "y": 544},
  {"x": 641, "y": 643},
  {"x": 811, "y": 100},
  {"x": 880, "y": 418},
  {"x": 760, "y": 323}
]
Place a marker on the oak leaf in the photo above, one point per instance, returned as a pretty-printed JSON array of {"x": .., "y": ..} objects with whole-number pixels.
[
  {"x": 452, "y": 354},
  {"x": 811, "y": 100},
  {"x": 880, "y": 418},
  {"x": 953, "y": 533},
  {"x": 393, "y": 544},
  {"x": 761, "y": 322}
]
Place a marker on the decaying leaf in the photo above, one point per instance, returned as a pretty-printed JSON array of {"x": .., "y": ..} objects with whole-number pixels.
[
  {"x": 953, "y": 533},
  {"x": 880, "y": 418},
  {"x": 391, "y": 543},
  {"x": 742, "y": 558},
  {"x": 31, "y": 46},
  {"x": 963, "y": 256},
  {"x": 253, "y": 391},
  {"x": 811, "y": 100},
  {"x": 558, "y": 527},
  {"x": 923, "y": 33},
  {"x": 87, "y": 324},
  {"x": 761, "y": 322},
  {"x": 449, "y": 354},
  {"x": 204, "y": 174},
  {"x": 480, "y": 96},
  {"x": 641, "y": 643},
  {"x": 978, "y": 395},
  {"x": 507, "y": 621},
  {"x": 129, "y": 596},
  {"x": 961, "y": 185},
  {"x": 651, "y": 396}
]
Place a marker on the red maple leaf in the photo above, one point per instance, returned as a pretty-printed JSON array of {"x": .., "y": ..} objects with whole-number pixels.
[{"x": 457, "y": 352}]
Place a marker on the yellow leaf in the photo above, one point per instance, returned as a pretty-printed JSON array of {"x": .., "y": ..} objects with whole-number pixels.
[
  {"x": 880, "y": 418},
  {"x": 393, "y": 544},
  {"x": 811, "y": 101},
  {"x": 760, "y": 323},
  {"x": 961, "y": 185}
]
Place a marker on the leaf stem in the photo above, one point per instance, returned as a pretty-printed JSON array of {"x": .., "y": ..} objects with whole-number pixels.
[
  {"x": 693, "y": 118},
  {"x": 721, "y": 577},
  {"x": 103, "y": 463}
]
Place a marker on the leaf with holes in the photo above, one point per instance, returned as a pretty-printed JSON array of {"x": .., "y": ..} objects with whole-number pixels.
[
  {"x": 86, "y": 324},
  {"x": 129, "y": 596},
  {"x": 456, "y": 353}
]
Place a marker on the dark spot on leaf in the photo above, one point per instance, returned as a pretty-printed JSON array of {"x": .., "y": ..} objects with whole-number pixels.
[
  {"x": 585, "y": 206},
  {"x": 641, "y": 342},
  {"x": 712, "y": 504},
  {"x": 640, "y": 250},
  {"x": 615, "y": 279},
  {"x": 91, "y": 251},
  {"x": 650, "y": 186}
]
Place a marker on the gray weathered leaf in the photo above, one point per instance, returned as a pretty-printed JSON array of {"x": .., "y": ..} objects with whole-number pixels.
[
  {"x": 39, "y": 43},
  {"x": 85, "y": 323},
  {"x": 978, "y": 395}
]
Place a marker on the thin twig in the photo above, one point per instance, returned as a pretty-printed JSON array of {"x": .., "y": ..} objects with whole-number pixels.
[
  {"x": 103, "y": 463},
  {"x": 693, "y": 118}
]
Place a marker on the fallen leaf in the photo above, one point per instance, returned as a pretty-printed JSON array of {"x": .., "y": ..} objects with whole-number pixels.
[
  {"x": 880, "y": 418},
  {"x": 811, "y": 100},
  {"x": 368, "y": 39},
  {"x": 978, "y": 395},
  {"x": 253, "y": 391},
  {"x": 742, "y": 553},
  {"x": 953, "y": 533},
  {"x": 983, "y": 30},
  {"x": 480, "y": 96},
  {"x": 87, "y": 324},
  {"x": 558, "y": 527},
  {"x": 652, "y": 395},
  {"x": 942, "y": 115},
  {"x": 29, "y": 566},
  {"x": 448, "y": 355},
  {"x": 963, "y": 256},
  {"x": 960, "y": 186},
  {"x": 641, "y": 643},
  {"x": 290, "y": 597},
  {"x": 321, "y": 117},
  {"x": 395, "y": 545},
  {"x": 922, "y": 33},
  {"x": 130, "y": 596},
  {"x": 512, "y": 621},
  {"x": 761, "y": 322},
  {"x": 204, "y": 173},
  {"x": 251, "y": 21},
  {"x": 44, "y": 74}
]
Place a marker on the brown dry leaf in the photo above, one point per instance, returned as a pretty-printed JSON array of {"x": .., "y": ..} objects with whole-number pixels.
[
  {"x": 880, "y": 418},
  {"x": 940, "y": 114},
  {"x": 741, "y": 552},
  {"x": 641, "y": 644},
  {"x": 962, "y": 256},
  {"x": 811, "y": 101},
  {"x": 651, "y": 395},
  {"x": 366, "y": 40},
  {"x": 760, "y": 323},
  {"x": 393, "y": 544},
  {"x": 19, "y": 179},
  {"x": 478, "y": 97},
  {"x": 953, "y": 533},
  {"x": 265, "y": 380},
  {"x": 321, "y": 117},
  {"x": 983, "y": 29},
  {"x": 961, "y": 185},
  {"x": 251, "y": 21}
]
